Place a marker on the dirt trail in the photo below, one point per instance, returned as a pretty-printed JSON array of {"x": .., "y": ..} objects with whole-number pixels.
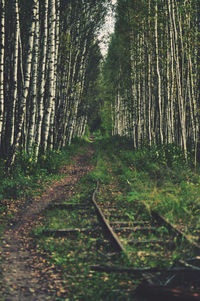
[{"x": 26, "y": 275}]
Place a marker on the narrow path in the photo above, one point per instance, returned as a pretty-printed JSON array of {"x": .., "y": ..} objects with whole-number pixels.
[{"x": 26, "y": 276}]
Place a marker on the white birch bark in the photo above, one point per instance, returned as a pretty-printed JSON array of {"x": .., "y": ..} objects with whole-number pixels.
[
  {"x": 139, "y": 129},
  {"x": 117, "y": 114},
  {"x": 192, "y": 84},
  {"x": 79, "y": 83},
  {"x": 169, "y": 122},
  {"x": 144, "y": 84},
  {"x": 149, "y": 76},
  {"x": 15, "y": 77},
  {"x": 66, "y": 81},
  {"x": 179, "y": 86},
  {"x": 25, "y": 87},
  {"x": 53, "y": 112},
  {"x": 195, "y": 110},
  {"x": 42, "y": 81},
  {"x": 51, "y": 75},
  {"x": 172, "y": 85},
  {"x": 133, "y": 88},
  {"x": 2, "y": 53},
  {"x": 158, "y": 74},
  {"x": 57, "y": 38},
  {"x": 32, "y": 122},
  {"x": 189, "y": 96}
]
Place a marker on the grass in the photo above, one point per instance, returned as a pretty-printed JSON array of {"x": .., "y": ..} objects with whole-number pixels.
[
  {"x": 74, "y": 257},
  {"x": 29, "y": 178},
  {"x": 157, "y": 177},
  {"x": 28, "y": 175},
  {"x": 161, "y": 183}
]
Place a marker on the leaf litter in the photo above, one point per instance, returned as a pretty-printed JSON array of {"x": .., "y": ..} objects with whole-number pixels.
[{"x": 26, "y": 274}]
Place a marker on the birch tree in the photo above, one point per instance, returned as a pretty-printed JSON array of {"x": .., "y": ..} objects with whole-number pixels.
[
  {"x": 42, "y": 80},
  {"x": 25, "y": 87},
  {"x": 45, "y": 79},
  {"x": 51, "y": 74},
  {"x": 160, "y": 103},
  {"x": 2, "y": 51},
  {"x": 158, "y": 75},
  {"x": 33, "y": 107}
]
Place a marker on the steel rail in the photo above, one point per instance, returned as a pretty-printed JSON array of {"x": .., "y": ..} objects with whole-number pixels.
[
  {"x": 110, "y": 229},
  {"x": 178, "y": 233},
  {"x": 106, "y": 226}
]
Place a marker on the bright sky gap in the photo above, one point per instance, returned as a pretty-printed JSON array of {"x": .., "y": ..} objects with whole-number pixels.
[{"x": 107, "y": 30}]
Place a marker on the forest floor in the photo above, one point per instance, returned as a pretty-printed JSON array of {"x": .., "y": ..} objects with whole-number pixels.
[
  {"x": 36, "y": 266},
  {"x": 26, "y": 275}
]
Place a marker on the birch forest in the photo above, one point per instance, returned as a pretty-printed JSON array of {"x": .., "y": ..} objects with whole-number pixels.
[
  {"x": 49, "y": 58},
  {"x": 50, "y": 62},
  {"x": 99, "y": 150},
  {"x": 152, "y": 73}
]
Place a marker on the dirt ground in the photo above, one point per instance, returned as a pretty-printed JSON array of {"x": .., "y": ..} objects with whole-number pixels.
[{"x": 26, "y": 275}]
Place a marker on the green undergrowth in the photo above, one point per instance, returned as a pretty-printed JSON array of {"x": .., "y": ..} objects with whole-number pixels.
[
  {"x": 157, "y": 176},
  {"x": 75, "y": 254},
  {"x": 29, "y": 178},
  {"x": 27, "y": 173}
]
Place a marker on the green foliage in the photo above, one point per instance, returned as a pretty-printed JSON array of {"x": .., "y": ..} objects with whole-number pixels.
[
  {"x": 86, "y": 135},
  {"x": 113, "y": 145},
  {"x": 153, "y": 176},
  {"x": 28, "y": 175},
  {"x": 157, "y": 176},
  {"x": 52, "y": 161},
  {"x": 170, "y": 155},
  {"x": 106, "y": 124},
  {"x": 74, "y": 257},
  {"x": 100, "y": 172}
]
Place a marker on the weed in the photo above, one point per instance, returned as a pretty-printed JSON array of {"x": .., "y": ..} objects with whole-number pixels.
[
  {"x": 75, "y": 257},
  {"x": 127, "y": 177}
]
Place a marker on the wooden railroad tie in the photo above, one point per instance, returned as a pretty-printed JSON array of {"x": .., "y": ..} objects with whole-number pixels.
[
  {"x": 65, "y": 232},
  {"x": 69, "y": 206},
  {"x": 121, "y": 269}
]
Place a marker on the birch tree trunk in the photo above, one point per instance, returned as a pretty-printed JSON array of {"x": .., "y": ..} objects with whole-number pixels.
[
  {"x": 51, "y": 75},
  {"x": 77, "y": 92},
  {"x": 195, "y": 111},
  {"x": 53, "y": 113},
  {"x": 149, "y": 75},
  {"x": 169, "y": 121},
  {"x": 26, "y": 86},
  {"x": 31, "y": 72},
  {"x": 144, "y": 87},
  {"x": 158, "y": 74},
  {"x": 163, "y": 63},
  {"x": 172, "y": 85},
  {"x": 15, "y": 77},
  {"x": 179, "y": 86},
  {"x": 42, "y": 81},
  {"x": 139, "y": 79},
  {"x": 2, "y": 50},
  {"x": 32, "y": 122}
]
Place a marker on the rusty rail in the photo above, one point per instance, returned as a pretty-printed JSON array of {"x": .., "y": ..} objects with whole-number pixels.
[{"x": 106, "y": 226}]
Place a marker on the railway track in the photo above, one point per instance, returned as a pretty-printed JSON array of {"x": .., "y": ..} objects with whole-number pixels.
[
  {"x": 153, "y": 238},
  {"x": 147, "y": 241}
]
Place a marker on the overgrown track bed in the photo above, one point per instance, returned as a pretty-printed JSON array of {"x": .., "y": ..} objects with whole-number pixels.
[
  {"x": 133, "y": 243},
  {"x": 73, "y": 228},
  {"x": 148, "y": 241}
]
